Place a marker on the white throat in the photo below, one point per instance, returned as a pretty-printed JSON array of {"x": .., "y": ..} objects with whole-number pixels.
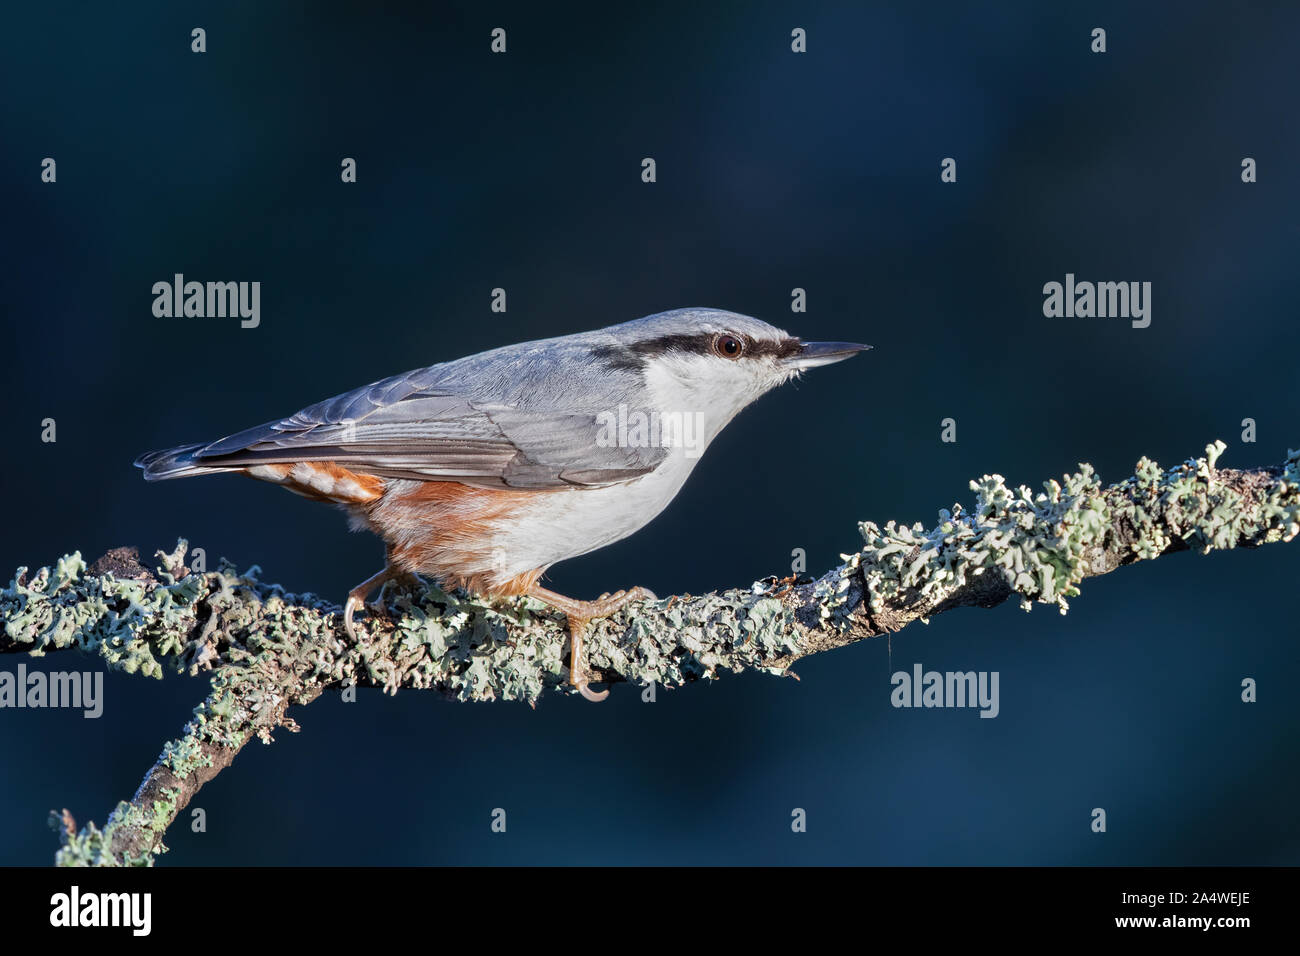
[{"x": 709, "y": 390}]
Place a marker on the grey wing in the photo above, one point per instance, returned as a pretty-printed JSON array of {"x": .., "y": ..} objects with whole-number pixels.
[{"x": 418, "y": 426}]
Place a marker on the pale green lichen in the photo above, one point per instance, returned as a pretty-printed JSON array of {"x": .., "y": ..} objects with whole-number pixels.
[
  {"x": 465, "y": 648},
  {"x": 92, "y": 846},
  {"x": 1042, "y": 543},
  {"x": 265, "y": 648},
  {"x": 132, "y": 626},
  {"x": 1036, "y": 541}
]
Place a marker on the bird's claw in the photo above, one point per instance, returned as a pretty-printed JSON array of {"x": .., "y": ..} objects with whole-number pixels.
[
  {"x": 349, "y": 608},
  {"x": 374, "y": 609},
  {"x": 591, "y": 695}
]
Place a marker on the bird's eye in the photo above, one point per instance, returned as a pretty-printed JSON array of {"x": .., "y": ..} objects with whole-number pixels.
[{"x": 728, "y": 346}]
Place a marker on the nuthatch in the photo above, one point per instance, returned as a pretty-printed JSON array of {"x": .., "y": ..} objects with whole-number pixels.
[{"x": 485, "y": 471}]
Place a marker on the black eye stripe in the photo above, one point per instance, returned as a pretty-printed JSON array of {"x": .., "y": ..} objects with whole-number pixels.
[{"x": 634, "y": 356}]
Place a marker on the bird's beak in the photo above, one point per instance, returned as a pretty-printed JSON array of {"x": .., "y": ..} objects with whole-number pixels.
[{"x": 814, "y": 354}]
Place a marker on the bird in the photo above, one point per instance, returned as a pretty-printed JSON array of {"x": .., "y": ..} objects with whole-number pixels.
[{"x": 483, "y": 472}]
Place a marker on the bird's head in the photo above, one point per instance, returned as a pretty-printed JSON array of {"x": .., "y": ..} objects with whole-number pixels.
[{"x": 711, "y": 361}]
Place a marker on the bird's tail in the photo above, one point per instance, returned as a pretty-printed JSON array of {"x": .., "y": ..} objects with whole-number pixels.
[{"x": 178, "y": 462}]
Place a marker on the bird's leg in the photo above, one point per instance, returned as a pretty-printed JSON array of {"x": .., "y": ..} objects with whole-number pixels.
[
  {"x": 577, "y": 615},
  {"x": 357, "y": 596}
]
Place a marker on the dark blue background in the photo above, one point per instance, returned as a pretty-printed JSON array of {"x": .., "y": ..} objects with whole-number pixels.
[{"x": 775, "y": 170}]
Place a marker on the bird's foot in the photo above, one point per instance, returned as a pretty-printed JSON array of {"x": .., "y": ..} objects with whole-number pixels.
[
  {"x": 624, "y": 597},
  {"x": 608, "y": 604},
  {"x": 578, "y": 614},
  {"x": 357, "y": 597}
]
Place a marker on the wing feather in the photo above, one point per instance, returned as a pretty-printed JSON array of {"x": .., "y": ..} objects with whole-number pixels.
[{"x": 421, "y": 425}]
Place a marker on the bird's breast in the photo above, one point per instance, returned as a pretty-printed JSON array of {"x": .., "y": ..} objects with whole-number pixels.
[{"x": 489, "y": 538}]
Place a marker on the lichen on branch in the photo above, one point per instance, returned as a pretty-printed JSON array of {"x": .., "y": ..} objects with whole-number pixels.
[{"x": 266, "y": 649}]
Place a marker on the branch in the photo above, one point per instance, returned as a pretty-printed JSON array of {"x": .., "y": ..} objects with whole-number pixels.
[{"x": 267, "y": 648}]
